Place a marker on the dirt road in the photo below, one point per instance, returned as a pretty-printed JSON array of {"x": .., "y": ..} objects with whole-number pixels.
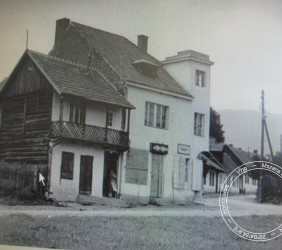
[{"x": 209, "y": 207}]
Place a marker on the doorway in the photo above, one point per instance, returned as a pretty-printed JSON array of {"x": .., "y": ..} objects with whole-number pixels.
[
  {"x": 110, "y": 185},
  {"x": 85, "y": 179},
  {"x": 157, "y": 176}
]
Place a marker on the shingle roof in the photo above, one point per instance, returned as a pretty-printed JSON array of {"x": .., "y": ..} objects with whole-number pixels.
[
  {"x": 228, "y": 164},
  {"x": 74, "y": 79},
  {"x": 121, "y": 53},
  {"x": 241, "y": 154}
]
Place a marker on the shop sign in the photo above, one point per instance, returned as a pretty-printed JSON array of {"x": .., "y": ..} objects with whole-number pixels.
[
  {"x": 157, "y": 148},
  {"x": 183, "y": 149}
]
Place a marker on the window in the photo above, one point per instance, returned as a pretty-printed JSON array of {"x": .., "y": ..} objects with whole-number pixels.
[
  {"x": 199, "y": 124},
  {"x": 211, "y": 178},
  {"x": 77, "y": 113},
  {"x": 123, "y": 119},
  {"x": 156, "y": 115},
  {"x": 247, "y": 178},
  {"x": 110, "y": 119},
  {"x": 186, "y": 170},
  {"x": 67, "y": 165},
  {"x": 254, "y": 182},
  {"x": 200, "y": 78},
  {"x": 137, "y": 167},
  {"x": 146, "y": 67}
]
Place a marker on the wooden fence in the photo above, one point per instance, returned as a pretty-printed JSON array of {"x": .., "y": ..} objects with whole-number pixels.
[{"x": 21, "y": 176}]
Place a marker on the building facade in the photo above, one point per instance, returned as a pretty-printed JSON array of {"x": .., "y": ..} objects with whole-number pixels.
[{"x": 153, "y": 118}]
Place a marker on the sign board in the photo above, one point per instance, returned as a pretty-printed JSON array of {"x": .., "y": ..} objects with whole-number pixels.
[
  {"x": 183, "y": 149},
  {"x": 157, "y": 148}
]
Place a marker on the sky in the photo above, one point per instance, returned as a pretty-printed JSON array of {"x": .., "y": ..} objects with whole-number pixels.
[{"x": 242, "y": 37}]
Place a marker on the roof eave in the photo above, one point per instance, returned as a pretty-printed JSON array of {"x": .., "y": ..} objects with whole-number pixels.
[
  {"x": 187, "y": 58},
  {"x": 174, "y": 94}
]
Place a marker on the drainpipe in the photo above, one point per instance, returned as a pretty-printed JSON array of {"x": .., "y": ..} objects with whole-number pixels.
[{"x": 53, "y": 144}]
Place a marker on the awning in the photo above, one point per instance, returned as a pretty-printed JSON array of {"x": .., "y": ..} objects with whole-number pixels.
[{"x": 212, "y": 164}]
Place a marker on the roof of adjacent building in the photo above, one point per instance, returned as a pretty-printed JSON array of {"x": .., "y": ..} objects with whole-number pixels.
[
  {"x": 121, "y": 54},
  {"x": 228, "y": 164},
  {"x": 211, "y": 161},
  {"x": 241, "y": 154},
  {"x": 74, "y": 79},
  {"x": 232, "y": 157}
]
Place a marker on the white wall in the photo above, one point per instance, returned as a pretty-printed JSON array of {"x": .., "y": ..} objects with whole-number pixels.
[
  {"x": 67, "y": 190},
  {"x": 64, "y": 189},
  {"x": 249, "y": 187},
  {"x": 185, "y": 73},
  {"x": 179, "y": 131},
  {"x": 208, "y": 187},
  {"x": 95, "y": 113}
]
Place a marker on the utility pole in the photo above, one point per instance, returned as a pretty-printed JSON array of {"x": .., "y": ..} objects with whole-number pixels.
[
  {"x": 262, "y": 124},
  {"x": 262, "y": 146}
]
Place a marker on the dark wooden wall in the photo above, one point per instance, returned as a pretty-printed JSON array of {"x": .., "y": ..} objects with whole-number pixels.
[
  {"x": 25, "y": 127},
  {"x": 26, "y": 116}
]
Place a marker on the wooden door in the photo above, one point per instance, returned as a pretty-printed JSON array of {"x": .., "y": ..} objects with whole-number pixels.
[
  {"x": 85, "y": 180},
  {"x": 157, "y": 176}
]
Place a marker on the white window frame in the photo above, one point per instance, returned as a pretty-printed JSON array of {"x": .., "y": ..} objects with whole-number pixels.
[
  {"x": 199, "y": 124},
  {"x": 110, "y": 119},
  {"x": 200, "y": 78},
  {"x": 156, "y": 115}
]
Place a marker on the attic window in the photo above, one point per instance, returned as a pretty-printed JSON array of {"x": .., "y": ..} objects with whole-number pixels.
[{"x": 146, "y": 67}]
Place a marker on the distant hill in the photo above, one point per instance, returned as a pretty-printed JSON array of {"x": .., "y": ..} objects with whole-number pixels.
[{"x": 243, "y": 129}]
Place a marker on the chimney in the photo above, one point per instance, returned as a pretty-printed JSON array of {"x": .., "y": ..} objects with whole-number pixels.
[
  {"x": 143, "y": 42},
  {"x": 61, "y": 26}
]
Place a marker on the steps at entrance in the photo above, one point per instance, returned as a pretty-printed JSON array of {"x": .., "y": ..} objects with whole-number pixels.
[{"x": 102, "y": 201}]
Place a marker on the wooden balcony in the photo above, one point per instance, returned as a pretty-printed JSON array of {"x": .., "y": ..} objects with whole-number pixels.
[{"x": 90, "y": 134}]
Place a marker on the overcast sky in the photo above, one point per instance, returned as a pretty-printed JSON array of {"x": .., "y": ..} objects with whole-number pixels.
[{"x": 242, "y": 37}]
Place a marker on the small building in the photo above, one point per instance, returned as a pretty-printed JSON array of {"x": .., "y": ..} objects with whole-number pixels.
[{"x": 229, "y": 158}]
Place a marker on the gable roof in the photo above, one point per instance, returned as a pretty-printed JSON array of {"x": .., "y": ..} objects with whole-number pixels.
[
  {"x": 242, "y": 155},
  {"x": 121, "y": 54},
  {"x": 74, "y": 79}
]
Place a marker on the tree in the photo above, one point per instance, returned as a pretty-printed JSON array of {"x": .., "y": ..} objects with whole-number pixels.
[{"x": 216, "y": 131}]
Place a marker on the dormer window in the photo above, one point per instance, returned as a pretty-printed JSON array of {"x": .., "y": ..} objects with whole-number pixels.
[{"x": 146, "y": 67}]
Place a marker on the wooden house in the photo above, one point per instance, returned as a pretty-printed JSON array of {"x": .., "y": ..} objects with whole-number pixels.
[{"x": 50, "y": 103}]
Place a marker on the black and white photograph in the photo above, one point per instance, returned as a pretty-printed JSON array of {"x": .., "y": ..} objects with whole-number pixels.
[{"x": 137, "y": 124}]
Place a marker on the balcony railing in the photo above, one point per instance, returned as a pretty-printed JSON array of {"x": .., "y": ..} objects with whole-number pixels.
[{"x": 89, "y": 133}]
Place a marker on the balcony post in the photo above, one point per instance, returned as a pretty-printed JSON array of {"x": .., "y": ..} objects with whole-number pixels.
[
  {"x": 128, "y": 125},
  {"x": 61, "y": 114},
  {"x": 128, "y": 120},
  {"x": 107, "y": 117}
]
